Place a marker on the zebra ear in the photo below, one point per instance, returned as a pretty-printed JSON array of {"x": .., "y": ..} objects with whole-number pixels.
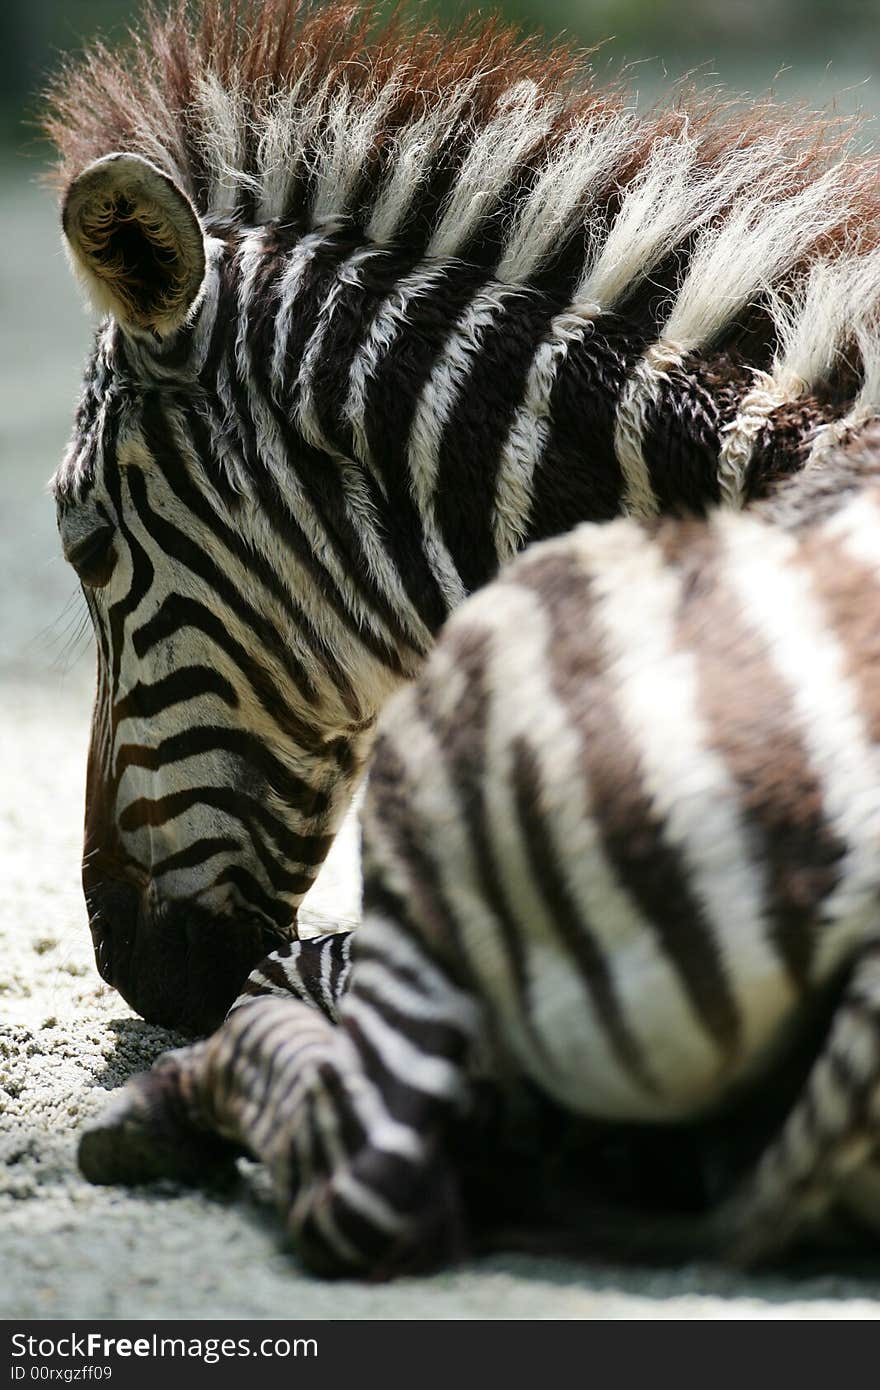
[{"x": 136, "y": 242}]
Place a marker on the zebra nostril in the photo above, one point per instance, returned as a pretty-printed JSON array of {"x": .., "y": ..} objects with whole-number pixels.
[{"x": 114, "y": 907}]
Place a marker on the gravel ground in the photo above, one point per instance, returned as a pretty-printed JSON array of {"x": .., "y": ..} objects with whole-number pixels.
[{"x": 70, "y": 1250}]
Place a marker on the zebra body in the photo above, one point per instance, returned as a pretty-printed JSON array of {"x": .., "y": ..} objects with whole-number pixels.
[{"x": 374, "y": 327}]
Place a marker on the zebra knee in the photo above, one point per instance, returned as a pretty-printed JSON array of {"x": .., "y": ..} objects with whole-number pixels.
[
  {"x": 380, "y": 1215},
  {"x": 362, "y": 1167}
]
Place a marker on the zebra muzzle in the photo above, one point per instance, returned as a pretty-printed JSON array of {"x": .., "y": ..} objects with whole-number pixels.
[{"x": 174, "y": 962}]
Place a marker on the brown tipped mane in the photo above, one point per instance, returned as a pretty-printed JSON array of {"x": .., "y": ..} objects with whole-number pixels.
[
  {"x": 144, "y": 98},
  {"x": 148, "y": 98}
]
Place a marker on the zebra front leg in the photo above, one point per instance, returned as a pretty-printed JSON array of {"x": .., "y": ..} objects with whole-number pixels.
[
  {"x": 830, "y": 1135},
  {"x": 350, "y": 1119},
  {"x": 154, "y": 1129}
]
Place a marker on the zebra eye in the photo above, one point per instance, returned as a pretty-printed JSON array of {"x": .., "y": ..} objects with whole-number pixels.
[{"x": 93, "y": 557}]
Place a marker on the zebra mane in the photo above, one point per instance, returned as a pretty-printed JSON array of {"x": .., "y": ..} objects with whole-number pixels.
[{"x": 479, "y": 143}]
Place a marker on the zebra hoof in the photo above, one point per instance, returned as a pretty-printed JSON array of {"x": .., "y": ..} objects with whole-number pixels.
[{"x": 144, "y": 1136}]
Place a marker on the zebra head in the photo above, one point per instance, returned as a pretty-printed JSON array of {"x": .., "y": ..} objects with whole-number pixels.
[{"x": 235, "y": 698}]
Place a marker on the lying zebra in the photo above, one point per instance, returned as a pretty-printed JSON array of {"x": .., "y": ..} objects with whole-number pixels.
[
  {"x": 620, "y": 837},
  {"x": 372, "y": 327}
]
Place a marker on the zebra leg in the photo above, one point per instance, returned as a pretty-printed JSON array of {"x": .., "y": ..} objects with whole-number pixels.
[
  {"x": 828, "y": 1139},
  {"x": 349, "y": 1119},
  {"x": 315, "y": 971},
  {"x": 154, "y": 1128}
]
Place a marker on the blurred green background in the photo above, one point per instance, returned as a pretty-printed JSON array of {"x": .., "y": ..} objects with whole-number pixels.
[{"x": 822, "y": 50}]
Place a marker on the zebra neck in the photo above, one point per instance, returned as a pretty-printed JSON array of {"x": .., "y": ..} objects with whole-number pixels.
[{"x": 434, "y": 418}]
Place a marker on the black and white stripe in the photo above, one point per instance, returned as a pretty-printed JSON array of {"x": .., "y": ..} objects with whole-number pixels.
[
  {"x": 347, "y": 438},
  {"x": 367, "y": 341},
  {"x": 619, "y": 841}
]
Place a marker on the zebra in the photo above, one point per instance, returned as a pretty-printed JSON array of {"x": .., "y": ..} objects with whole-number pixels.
[
  {"x": 634, "y": 915},
  {"x": 371, "y": 295},
  {"x": 383, "y": 306}
]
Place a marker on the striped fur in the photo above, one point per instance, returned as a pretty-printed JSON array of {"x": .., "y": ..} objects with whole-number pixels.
[
  {"x": 387, "y": 305},
  {"x": 619, "y": 842},
  {"x": 376, "y": 324}
]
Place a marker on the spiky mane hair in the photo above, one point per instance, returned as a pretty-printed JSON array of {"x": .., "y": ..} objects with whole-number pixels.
[
  {"x": 274, "y": 109},
  {"x": 256, "y": 101},
  {"x": 481, "y": 144}
]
